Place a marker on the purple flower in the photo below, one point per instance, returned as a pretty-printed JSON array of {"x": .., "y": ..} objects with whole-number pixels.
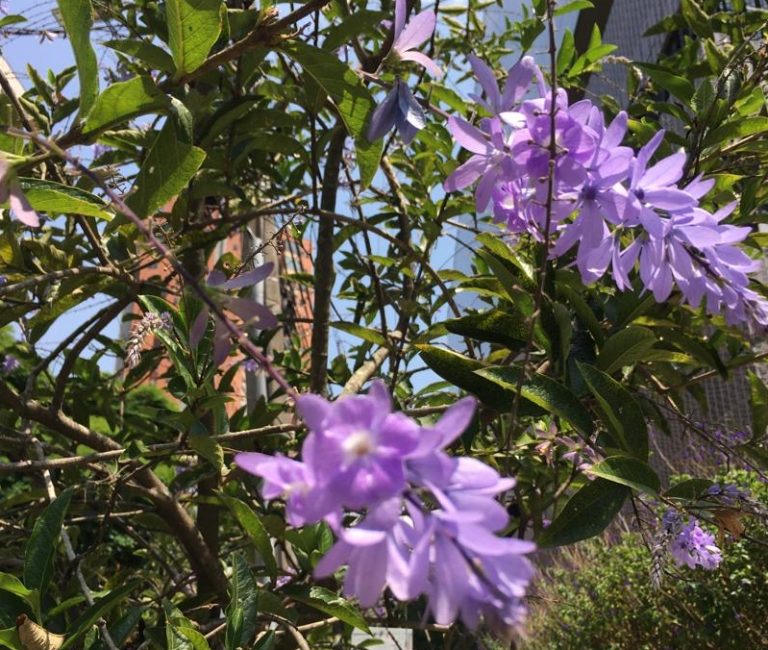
[
  {"x": 291, "y": 480},
  {"x": 689, "y": 544},
  {"x": 250, "y": 365},
  {"x": 361, "y": 456},
  {"x": 474, "y": 574},
  {"x": 518, "y": 80},
  {"x": 10, "y": 191},
  {"x": 10, "y": 363},
  {"x": 399, "y": 109},
  {"x": 253, "y": 314},
  {"x": 377, "y": 553},
  {"x": 358, "y": 445},
  {"x": 408, "y": 37}
]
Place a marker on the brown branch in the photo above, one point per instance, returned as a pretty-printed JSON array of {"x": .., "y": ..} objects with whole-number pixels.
[
  {"x": 324, "y": 273},
  {"x": 112, "y": 312},
  {"x": 177, "y": 519}
]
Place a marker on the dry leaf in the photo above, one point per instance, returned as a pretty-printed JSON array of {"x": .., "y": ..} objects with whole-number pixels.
[
  {"x": 729, "y": 520},
  {"x": 35, "y": 637}
]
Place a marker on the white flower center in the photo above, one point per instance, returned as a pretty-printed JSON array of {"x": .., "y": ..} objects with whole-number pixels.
[{"x": 358, "y": 445}]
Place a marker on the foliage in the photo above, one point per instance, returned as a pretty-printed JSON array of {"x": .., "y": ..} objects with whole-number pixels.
[
  {"x": 598, "y": 594},
  {"x": 221, "y": 137}
]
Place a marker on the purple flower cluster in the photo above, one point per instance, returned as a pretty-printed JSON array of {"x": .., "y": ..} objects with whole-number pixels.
[
  {"x": 613, "y": 204},
  {"x": 689, "y": 544},
  {"x": 425, "y": 521},
  {"x": 399, "y": 108}
]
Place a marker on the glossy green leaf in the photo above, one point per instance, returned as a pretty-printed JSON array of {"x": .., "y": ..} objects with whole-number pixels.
[
  {"x": 77, "y": 18},
  {"x": 545, "y": 392},
  {"x": 350, "y": 97},
  {"x": 55, "y": 199},
  {"x": 193, "y": 27},
  {"x": 461, "y": 372},
  {"x": 688, "y": 490},
  {"x": 586, "y": 514},
  {"x": 99, "y": 609},
  {"x": 664, "y": 78},
  {"x": 242, "y": 613},
  {"x": 13, "y": 585},
  {"x": 619, "y": 411},
  {"x": 330, "y": 603},
  {"x": 43, "y": 542},
  {"x": 697, "y": 18},
  {"x": 9, "y": 638},
  {"x": 155, "y": 56},
  {"x": 737, "y": 128},
  {"x": 251, "y": 524},
  {"x": 166, "y": 171},
  {"x": 495, "y": 326},
  {"x": 125, "y": 100},
  {"x": 365, "y": 333},
  {"x": 628, "y": 471},
  {"x": 574, "y": 5},
  {"x": 624, "y": 348}
]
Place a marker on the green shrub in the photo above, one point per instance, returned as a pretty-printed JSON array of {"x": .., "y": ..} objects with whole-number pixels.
[{"x": 599, "y": 595}]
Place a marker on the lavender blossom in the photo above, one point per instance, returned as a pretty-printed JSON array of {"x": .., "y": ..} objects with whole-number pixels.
[
  {"x": 399, "y": 109},
  {"x": 618, "y": 209},
  {"x": 409, "y": 36},
  {"x": 689, "y": 544},
  {"x": 10, "y": 191},
  {"x": 361, "y": 456},
  {"x": 10, "y": 363},
  {"x": 252, "y": 313}
]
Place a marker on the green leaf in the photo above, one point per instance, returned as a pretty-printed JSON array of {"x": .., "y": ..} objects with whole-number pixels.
[
  {"x": 166, "y": 171},
  {"x": 207, "y": 447},
  {"x": 155, "y": 56},
  {"x": 495, "y": 326},
  {"x": 121, "y": 629},
  {"x": 250, "y": 522},
  {"x": 758, "y": 404},
  {"x": 196, "y": 640},
  {"x": 15, "y": 586},
  {"x": 125, "y": 100},
  {"x": 100, "y": 607},
  {"x": 193, "y": 27},
  {"x": 697, "y": 18},
  {"x": 461, "y": 372},
  {"x": 9, "y": 638},
  {"x": 703, "y": 98},
  {"x": 545, "y": 392},
  {"x": 627, "y": 471},
  {"x": 664, "y": 78},
  {"x": 365, "y": 333},
  {"x": 738, "y": 128},
  {"x": 566, "y": 52},
  {"x": 688, "y": 490},
  {"x": 624, "y": 348},
  {"x": 41, "y": 548},
  {"x": 242, "y": 612},
  {"x": 55, "y": 198},
  {"x": 330, "y": 603},
  {"x": 77, "y": 18},
  {"x": 575, "y": 5},
  {"x": 586, "y": 514},
  {"x": 362, "y": 21},
  {"x": 619, "y": 411},
  {"x": 350, "y": 97}
]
